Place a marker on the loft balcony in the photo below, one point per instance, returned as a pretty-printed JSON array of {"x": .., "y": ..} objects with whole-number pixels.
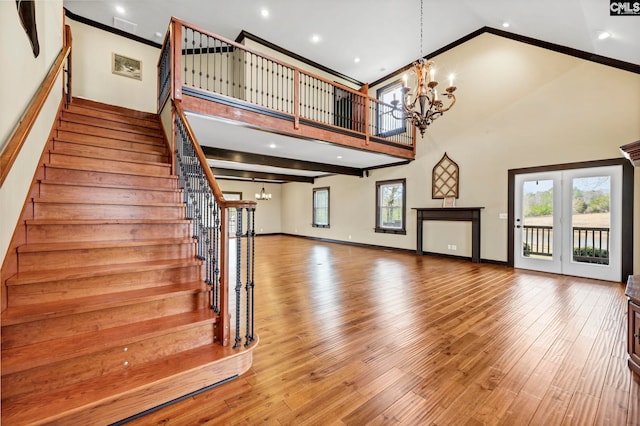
[{"x": 220, "y": 83}]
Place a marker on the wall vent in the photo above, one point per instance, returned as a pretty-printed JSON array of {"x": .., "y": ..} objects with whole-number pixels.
[{"x": 123, "y": 25}]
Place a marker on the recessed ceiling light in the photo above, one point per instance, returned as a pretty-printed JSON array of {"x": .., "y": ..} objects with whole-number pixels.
[
  {"x": 506, "y": 25},
  {"x": 603, "y": 35},
  {"x": 273, "y": 145},
  {"x": 315, "y": 38},
  {"x": 264, "y": 13},
  {"x": 158, "y": 34},
  {"x": 339, "y": 157},
  {"x": 120, "y": 9},
  {"x": 356, "y": 60}
]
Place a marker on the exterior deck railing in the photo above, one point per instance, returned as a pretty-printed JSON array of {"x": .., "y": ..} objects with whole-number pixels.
[
  {"x": 195, "y": 59},
  {"x": 589, "y": 244}
]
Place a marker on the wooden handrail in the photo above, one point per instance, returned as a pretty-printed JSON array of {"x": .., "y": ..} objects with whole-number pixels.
[
  {"x": 217, "y": 192},
  {"x": 17, "y": 140}
]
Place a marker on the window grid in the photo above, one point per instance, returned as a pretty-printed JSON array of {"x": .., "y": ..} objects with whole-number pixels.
[
  {"x": 321, "y": 207},
  {"x": 390, "y": 206}
]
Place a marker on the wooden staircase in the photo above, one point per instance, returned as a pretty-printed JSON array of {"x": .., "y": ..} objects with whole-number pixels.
[{"x": 108, "y": 315}]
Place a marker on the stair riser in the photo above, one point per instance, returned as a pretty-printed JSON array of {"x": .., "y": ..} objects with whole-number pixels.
[
  {"x": 105, "y": 211},
  {"x": 102, "y": 284},
  {"x": 102, "y": 232},
  {"x": 85, "y": 367},
  {"x": 95, "y": 140},
  {"x": 108, "y": 133},
  {"x": 39, "y": 261},
  {"x": 112, "y": 125},
  {"x": 108, "y": 153},
  {"x": 54, "y": 328},
  {"x": 150, "y": 123},
  {"x": 113, "y": 166},
  {"x": 90, "y": 177},
  {"x": 98, "y": 194}
]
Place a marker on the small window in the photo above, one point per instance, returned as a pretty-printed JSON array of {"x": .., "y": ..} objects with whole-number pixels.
[
  {"x": 321, "y": 207},
  {"x": 390, "y": 206},
  {"x": 388, "y": 125}
]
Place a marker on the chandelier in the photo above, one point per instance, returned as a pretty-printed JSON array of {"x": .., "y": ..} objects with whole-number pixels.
[
  {"x": 424, "y": 105},
  {"x": 263, "y": 195}
]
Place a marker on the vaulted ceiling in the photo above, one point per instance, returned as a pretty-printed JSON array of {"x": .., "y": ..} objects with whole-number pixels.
[{"x": 365, "y": 40}]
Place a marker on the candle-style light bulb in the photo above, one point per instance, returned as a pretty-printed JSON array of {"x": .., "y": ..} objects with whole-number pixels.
[
  {"x": 432, "y": 74},
  {"x": 404, "y": 80},
  {"x": 451, "y": 76}
]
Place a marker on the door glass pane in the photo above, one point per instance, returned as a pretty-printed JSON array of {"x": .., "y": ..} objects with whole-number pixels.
[
  {"x": 591, "y": 219},
  {"x": 537, "y": 219}
]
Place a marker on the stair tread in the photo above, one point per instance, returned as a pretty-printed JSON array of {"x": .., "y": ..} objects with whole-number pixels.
[
  {"x": 48, "y": 407},
  {"x": 34, "y": 277},
  {"x": 90, "y": 169},
  {"x": 105, "y": 221},
  {"x": 113, "y": 109},
  {"x": 80, "y": 145},
  {"x": 93, "y": 169},
  {"x": 117, "y": 134},
  {"x": 86, "y": 245},
  {"x": 107, "y": 185},
  {"x": 50, "y": 351},
  {"x": 72, "y": 136},
  {"x": 62, "y": 151},
  {"x": 56, "y": 200},
  {"x": 108, "y": 123},
  {"x": 151, "y": 122},
  {"x": 36, "y": 311}
]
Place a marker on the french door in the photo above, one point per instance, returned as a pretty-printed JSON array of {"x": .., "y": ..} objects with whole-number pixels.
[{"x": 569, "y": 222}]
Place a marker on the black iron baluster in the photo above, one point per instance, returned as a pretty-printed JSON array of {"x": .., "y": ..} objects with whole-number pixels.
[
  {"x": 248, "y": 278},
  {"x": 238, "y": 287}
]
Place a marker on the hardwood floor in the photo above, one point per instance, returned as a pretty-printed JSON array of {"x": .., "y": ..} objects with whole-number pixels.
[{"x": 355, "y": 336}]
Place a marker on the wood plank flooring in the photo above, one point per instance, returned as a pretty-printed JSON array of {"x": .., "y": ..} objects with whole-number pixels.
[{"x": 358, "y": 336}]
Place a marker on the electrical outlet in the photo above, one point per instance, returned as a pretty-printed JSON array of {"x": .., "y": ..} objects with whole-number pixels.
[
  {"x": 503, "y": 216},
  {"x": 454, "y": 247},
  {"x": 349, "y": 236}
]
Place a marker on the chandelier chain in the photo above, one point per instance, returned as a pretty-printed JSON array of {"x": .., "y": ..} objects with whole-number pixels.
[{"x": 421, "y": 26}]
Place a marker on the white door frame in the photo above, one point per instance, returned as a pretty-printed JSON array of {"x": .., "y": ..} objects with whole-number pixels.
[{"x": 626, "y": 239}]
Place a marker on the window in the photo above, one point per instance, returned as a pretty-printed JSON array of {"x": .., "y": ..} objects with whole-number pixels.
[
  {"x": 321, "y": 207},
  {"x": 388, "y": 125},
  {"x": 390, "y": 206}
]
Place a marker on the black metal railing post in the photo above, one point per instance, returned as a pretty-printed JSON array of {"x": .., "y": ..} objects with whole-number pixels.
[{"x": 238, "y": 287}]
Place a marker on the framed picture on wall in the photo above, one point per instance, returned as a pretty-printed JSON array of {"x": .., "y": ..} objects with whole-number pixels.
[{"x": 127, "y": 67}]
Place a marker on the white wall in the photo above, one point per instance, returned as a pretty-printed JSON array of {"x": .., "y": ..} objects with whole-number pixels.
[
  {"x": 518, "y": 106},
  {"x": 268, "y": 213},
  {"x": 21, "y": 76},
  {"x": 92, "y": 77}
]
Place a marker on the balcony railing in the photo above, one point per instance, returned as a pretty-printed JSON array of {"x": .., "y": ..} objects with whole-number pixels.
[
  {"x": 589, "y": 244},
  {"x": 195, "y": 61}
]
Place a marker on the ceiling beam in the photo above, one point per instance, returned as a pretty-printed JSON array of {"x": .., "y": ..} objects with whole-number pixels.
[
  {"x": 268, "y": 160},
  {"x": 247, "y": 174}
]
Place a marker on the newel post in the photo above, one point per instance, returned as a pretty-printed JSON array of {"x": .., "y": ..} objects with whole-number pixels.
[{"x": 176, "y": 59}]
